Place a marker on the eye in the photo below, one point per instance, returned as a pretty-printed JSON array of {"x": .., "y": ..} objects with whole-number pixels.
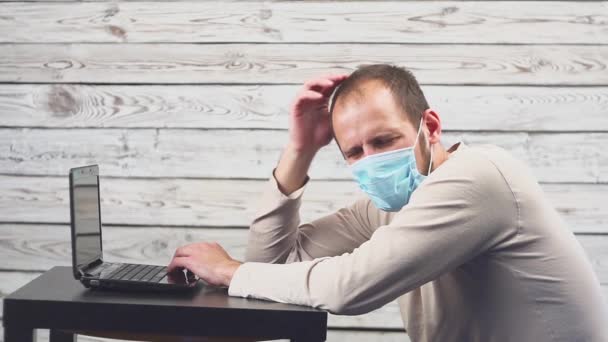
[
  {"x": 353, "y": 152},
  {"x": 383, "y": 141}
]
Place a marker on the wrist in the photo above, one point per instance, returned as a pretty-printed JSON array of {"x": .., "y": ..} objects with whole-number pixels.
[
  {"x": 229, "y": 270},
  {"x": 291, "y": 172},
  {"x": 299, "y": 151}
]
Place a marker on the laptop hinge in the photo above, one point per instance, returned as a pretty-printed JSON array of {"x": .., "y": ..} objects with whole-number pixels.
[
  {"x": 81, "y": 273},
  {"x": 91, "y": 266}
]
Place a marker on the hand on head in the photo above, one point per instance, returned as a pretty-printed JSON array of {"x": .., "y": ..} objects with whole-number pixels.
[{"x": 310, "y": 126}]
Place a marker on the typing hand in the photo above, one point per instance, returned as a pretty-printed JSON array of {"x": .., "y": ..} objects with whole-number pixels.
[{"x": 208, "y": 260}]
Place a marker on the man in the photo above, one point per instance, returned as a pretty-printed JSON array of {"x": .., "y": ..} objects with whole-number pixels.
[{"x": 464, "y": 238}]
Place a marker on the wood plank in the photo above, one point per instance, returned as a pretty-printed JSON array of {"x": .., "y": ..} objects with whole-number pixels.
[
  {"x": 232, "y": 203},
  {"x": 389, "y": 22},
  {"x": 567, "y": 157},
  {"x": 294, "y": 63},
  {"x": 185, "y": 202},
  {"x": 38, "y": 247},
  {"x": 472, "y": 108}
]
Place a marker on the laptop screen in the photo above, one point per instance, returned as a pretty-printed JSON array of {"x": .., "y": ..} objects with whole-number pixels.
[{"x": 86, "y": 223}]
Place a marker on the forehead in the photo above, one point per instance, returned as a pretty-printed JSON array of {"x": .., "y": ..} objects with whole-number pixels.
[{"x": 369, "y": 108}]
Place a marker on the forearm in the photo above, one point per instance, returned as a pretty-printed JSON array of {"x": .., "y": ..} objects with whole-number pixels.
[
  {"x": 292, "y": 170},
  {"x": 273, "y": 234},
  {"x": 274, "y": 228},
  {"x": 273, "y": 231}
]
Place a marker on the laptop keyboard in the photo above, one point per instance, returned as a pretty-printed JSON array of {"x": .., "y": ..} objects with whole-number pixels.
[{"x": 138, "y": 272}]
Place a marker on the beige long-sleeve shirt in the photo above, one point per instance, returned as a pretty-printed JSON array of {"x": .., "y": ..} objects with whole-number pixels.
[{"x": 478, "y": 254}]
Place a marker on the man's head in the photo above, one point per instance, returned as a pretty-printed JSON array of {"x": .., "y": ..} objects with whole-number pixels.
[{"x": 379, "y": 108}]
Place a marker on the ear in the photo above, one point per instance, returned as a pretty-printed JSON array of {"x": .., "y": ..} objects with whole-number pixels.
[{"x": 433, "y": 126}]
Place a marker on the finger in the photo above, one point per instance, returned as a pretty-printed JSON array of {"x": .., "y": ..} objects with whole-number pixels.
[
  {"x": 180, "y": 263},
  {"x": 174, "y": 265},
  {"x": 189, "y": 250},
  {"x": 336, "y": 81},
  {"x": 318, "y": 84},
  {"x": 182, "y": 251},
  {"x": 310, "y": 95},
  {"x": 338, "y": 77}
]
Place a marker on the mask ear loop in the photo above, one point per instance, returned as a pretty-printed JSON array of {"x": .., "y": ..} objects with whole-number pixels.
[
  {"x": 430, "y": 161},
  {"x": 417, "y": 138},
  {"x": 431, "y": 146}
]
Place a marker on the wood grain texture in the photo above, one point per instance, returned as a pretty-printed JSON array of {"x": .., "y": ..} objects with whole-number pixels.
[
  {"x": 294, "y": 63},
  {"x": 38, "y": 247},
  {"x": 567, "y": 157},
  {"x": 232, "y": 203},
  {"x": 472, "y": 108},
  {"x": 184, "y": 105},
  {"x": 394, "y": 22}
]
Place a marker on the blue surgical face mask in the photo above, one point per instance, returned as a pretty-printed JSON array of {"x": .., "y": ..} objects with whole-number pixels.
[{"x": 389, "y": 178}]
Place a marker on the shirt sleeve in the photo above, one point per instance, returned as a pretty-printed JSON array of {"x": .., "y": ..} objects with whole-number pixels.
[
  {"x": 460, "y": 211},
  {"x": 277, "y": 236}
]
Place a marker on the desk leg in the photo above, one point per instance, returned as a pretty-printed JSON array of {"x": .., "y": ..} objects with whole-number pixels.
[
  {"x": 18, "y": 334},
  {"x": 61, "y": 336}
]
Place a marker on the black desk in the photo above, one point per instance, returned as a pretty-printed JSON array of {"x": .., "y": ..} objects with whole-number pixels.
[{"x": 58, "y": 302}]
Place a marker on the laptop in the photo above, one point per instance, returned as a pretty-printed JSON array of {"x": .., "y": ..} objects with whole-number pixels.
[{"x": 87, "y": 256}]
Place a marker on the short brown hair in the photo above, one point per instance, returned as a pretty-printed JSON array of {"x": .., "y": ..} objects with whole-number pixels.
[{"x": 399, "y": 80}]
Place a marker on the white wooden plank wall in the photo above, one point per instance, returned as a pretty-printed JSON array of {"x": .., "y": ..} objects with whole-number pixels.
[{"x": 184, "y": 105}]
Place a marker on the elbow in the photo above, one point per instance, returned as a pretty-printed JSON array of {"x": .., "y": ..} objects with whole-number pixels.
[
  {"x": 344, "y": 300},
  {"x": 336, "y": 307},
  {"x": 342, "y": 305},
  {"x": 278, "y": 251},
  {"x": 263, "y": 249}
]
